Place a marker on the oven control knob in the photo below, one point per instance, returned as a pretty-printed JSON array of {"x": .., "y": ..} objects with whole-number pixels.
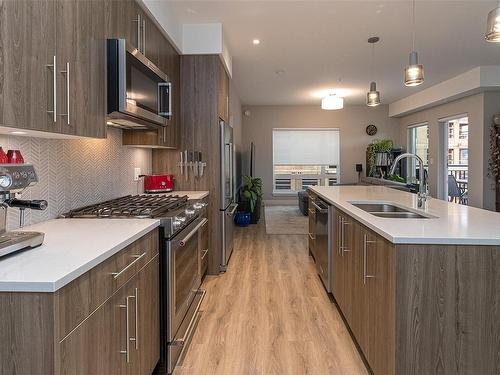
[
  {"x": 199, "y": 205},
  {"x": 5, "y": 181},
  {"x": 180, "y": 219},
  {"x": 189, "y": 211}
]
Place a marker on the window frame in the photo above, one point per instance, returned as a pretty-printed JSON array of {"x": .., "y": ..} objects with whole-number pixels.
[{"x": 323, "y": 167}]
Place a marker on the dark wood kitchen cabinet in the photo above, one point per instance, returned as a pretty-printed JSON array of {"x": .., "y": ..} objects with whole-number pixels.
[
  {"x": 223, "y": 100},
  {"x": 163, "y": 54},
  {"x": 53, "y": 68},
  {"x": 89, "y": 325},
  {"x": 405, "y": 303},
  {"x": 27, "y": 53}
]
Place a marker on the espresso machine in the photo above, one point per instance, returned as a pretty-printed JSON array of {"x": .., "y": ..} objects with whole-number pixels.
[{"x": 14, "y": 179}]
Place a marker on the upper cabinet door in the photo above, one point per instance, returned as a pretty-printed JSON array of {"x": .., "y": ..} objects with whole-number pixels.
[
  {"x": 223, "y": 94},
  {"x": 27, "y": 50},
  {"x": 81, "y": 67}
]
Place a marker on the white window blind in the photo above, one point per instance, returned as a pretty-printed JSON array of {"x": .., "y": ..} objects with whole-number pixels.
[{"x": 306, "y": 147}]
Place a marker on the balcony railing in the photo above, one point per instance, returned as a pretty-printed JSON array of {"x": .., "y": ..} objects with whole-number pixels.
[{"x": 461, "y": 174}]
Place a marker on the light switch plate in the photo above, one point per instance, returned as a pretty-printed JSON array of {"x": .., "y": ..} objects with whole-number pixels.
[{"x": 137, "y": 172}]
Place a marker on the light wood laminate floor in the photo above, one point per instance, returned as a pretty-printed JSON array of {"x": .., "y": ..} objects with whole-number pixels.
[{"x": 269, "y": 314}]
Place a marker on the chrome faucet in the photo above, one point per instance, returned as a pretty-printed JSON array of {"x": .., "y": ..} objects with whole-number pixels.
[{"x": 422, "y": 189}]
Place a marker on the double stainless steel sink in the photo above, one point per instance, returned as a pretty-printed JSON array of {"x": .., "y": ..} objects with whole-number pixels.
[{"x": 388, "y": 210}]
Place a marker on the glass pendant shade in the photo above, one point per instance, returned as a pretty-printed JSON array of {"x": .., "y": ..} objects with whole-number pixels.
[
  {"x": 414, "y": 73},
  {"x": 493, "y": 26},
  {"x": 373, "y": 96},
  {"x": 332, "y": 102}
]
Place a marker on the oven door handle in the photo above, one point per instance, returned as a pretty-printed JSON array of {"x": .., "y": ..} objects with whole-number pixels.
[
  {"x": 182, "y": 341},
  {"x": 184, "y": 241}
]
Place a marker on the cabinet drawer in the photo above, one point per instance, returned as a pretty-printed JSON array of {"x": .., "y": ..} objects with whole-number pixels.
[{"x": 83, "y": 295}]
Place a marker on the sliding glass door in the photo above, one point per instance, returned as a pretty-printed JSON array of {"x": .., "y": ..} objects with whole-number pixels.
[{"x": 418, "y": 143}]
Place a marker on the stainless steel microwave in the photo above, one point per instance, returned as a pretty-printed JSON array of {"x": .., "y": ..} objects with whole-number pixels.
[{"x": 139, "y": 93}]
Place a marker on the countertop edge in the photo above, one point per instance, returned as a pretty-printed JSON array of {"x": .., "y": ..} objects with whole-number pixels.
[
  {"x": 457, "y": 241},
  {"x": 52, "y": 287}
]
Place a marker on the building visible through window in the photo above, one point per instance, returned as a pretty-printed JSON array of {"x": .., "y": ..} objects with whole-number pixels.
[{"x": 305, "y": 157}]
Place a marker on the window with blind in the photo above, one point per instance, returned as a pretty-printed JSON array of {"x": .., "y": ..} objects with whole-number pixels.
[{"x": 305, "y": 157}]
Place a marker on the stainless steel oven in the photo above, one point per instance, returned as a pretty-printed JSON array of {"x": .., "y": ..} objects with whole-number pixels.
[
  {"x": 184, "y": 295},
  {"x": 139, "y": 93}
]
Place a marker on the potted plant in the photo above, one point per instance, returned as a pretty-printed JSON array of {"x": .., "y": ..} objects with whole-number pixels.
[
  {"x": 251, "y": 197},
  {"x": 380, "y": 147}
]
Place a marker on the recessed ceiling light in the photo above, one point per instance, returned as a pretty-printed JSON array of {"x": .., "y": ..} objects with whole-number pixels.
[
  {"x": 256, "y": 42},
  {"x": 17, "y": 132}
]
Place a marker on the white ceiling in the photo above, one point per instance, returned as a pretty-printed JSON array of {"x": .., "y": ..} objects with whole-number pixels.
[{"x": 316, "y": 42}]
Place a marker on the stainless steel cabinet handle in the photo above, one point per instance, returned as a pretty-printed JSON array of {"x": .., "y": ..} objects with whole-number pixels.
[
  {"x": 339, "y": 238},
  {"x": 137, "y": 258},
  {"x": 66, "y": 72},
  {"x": 127, "y": 330},
  {"x": 54, "y": 83},
  {"x": 231, "y": 213},
  {"x": 320, "y": 210},
  {"x": 365, "y": 261},
  {"x": 311, "y": 236},
  {"x": 204, "y": 252},
  {"x": 138, "y": 20},
  {"x": 136, "y": 338},
  {"x": 344, "y": 247},
  {"x": 143, "y": 46},
  {"x": 184, "y": 241},
  {"x": 190, "y": 327}
]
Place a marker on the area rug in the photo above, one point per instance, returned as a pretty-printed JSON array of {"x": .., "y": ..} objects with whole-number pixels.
[{"x": 285, "y": 220}]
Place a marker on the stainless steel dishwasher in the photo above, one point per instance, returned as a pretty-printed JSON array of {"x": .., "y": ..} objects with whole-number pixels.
[{"x": 323, "y": 235}]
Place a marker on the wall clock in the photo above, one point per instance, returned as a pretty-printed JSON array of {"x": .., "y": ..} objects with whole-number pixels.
[{"x": 371, "y": 129}]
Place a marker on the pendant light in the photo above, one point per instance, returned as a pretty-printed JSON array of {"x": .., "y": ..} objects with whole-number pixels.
[
  {"x": 493, "y": 25},
  {"x": 332, "y": 102},
  {"x": 373, "y": 96},
  {"x": 414, "y": 72}
]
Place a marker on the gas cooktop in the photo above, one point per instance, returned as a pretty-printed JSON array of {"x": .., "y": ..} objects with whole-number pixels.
[
  {"x": 131, "y": 206},
  {"x": 174, "y": 211}
]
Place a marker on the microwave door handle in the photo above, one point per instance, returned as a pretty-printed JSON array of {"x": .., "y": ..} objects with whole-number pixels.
[{"x": 163, "y": 89}]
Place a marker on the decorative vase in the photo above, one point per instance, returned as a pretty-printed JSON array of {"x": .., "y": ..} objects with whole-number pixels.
[{"x": 242, "y": 219}]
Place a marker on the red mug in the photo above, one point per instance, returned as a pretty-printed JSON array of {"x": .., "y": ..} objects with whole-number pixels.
[
  {"x": 3, "y": 157},
  {"x": 15, "y": 157}
]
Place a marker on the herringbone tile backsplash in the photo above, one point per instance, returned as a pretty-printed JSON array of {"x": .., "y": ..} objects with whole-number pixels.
[{"x": 75, "y": 173}]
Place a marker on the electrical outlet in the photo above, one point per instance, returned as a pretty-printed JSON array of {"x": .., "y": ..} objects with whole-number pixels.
[{"x": 137, "y": 172}]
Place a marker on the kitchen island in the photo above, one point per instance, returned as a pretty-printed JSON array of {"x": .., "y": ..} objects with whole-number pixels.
[{"x": 420, "y": 295}]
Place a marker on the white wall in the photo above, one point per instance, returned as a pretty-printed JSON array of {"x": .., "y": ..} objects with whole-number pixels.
[{"x": 352, "y": 121}]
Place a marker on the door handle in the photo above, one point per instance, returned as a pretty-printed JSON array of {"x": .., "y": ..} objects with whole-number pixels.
[
  {"x": 184, "y": 241},
  {"x": 54, "y": 83},
  {"x": 143, "y": 36},
  {"x": 66, "y": 72},
  {"x": 365, "y": 261},
  {"x": 127, "y": 330},
  {"x": 344, "y": 247},
  {"x": 231, "y": 213},
  {"x": 136, "y": 322},
  {"x": 138, "y": 20},
  {"x": 320, "y": 209}
]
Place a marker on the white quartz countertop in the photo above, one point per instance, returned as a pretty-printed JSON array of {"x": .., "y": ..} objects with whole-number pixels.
[
  {"x": 71, "y": 247},
  {"x": 190, "y": 194},
  {"x": 452, "y": 224}
]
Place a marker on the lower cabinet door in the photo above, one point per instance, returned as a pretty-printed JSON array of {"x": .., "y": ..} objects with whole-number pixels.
[
  {"x": 381, "y": 306},
  {"x": 338, "y": 261},
  {"x": 148, "y": 334},
  {"x": 359, "y": 321},
  {"x": 102, "y": 343}
]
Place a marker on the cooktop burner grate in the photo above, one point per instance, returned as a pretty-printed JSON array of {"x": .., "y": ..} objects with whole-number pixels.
[{"x": 136, "y": 206}]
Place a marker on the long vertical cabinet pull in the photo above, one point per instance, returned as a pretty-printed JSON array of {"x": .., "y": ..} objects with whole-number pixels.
[
  {"x": 127, "y": 330},
  {"x": 339, "y": 236},
  {"x": 136, "y": 297},
  {"x": 344, "y": 247},
  {"x": 54, "y": 82},
  {"x": 143, "y": 44},
  {"x": 139, "y": 25},
  {"x": 365, "y": 260},
  {"x": 68, "y": 77}
]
